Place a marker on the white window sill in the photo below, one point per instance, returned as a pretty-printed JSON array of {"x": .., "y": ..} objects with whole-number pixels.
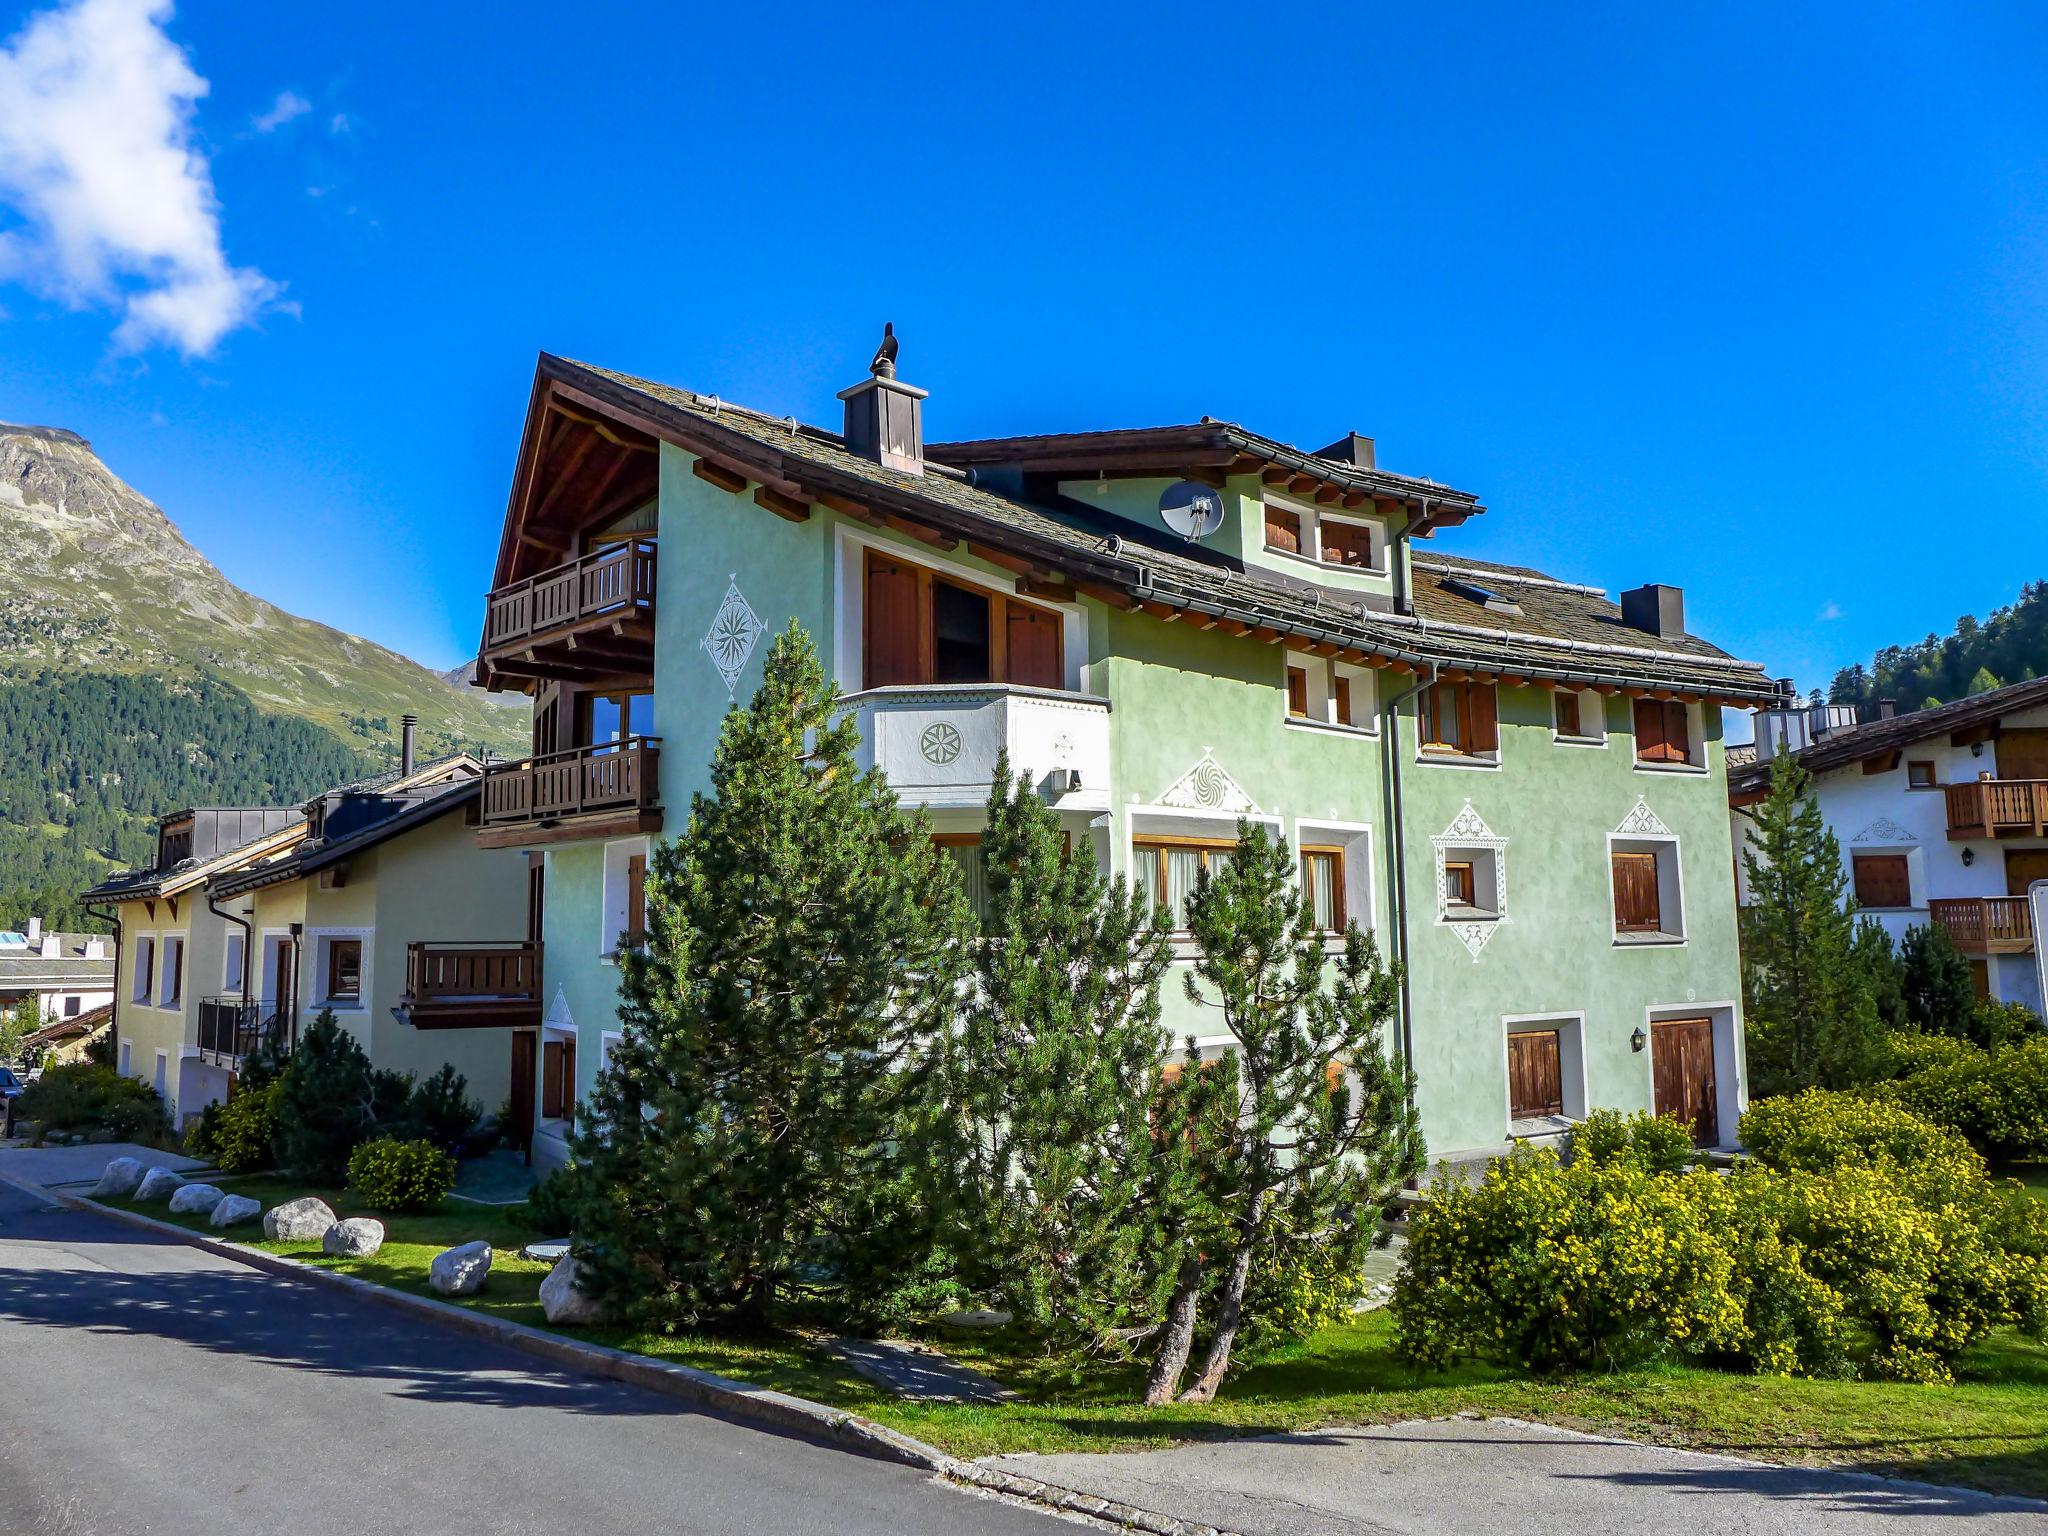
[
  {"x": 1315, "y": 562},
  {"x": 1457, "y": 759},
  {"x": 1560, "y": 740},
  {"x": 1468, "y": 915},
  {"x": 1647, "y": 940},
  {"x": 337, "y": 1005},
  {"x": 1697, "y": 770},
  {"x": 1539, "y": 1127},
  {"x": 1331, "y": 727}
]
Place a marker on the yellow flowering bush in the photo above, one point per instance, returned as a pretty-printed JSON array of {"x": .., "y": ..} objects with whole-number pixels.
[
  {"x": 1819, "y": 1132},
  {"x": 1998, "y": 1098},
  {"x": 1592, "y": 1265},
  {"x": 1299, "y": 1288},
  {"x": 400, "y": 1175},
  {"x": 1660, "y": 1143}
]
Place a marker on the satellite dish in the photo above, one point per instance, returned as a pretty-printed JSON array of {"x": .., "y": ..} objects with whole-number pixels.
[{"x": 1191, "y": 509}]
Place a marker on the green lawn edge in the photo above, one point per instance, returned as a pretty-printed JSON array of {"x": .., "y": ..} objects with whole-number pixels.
[{"x": 1987, "y": 1431}]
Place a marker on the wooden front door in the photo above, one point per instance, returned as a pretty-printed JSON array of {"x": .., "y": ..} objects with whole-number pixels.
[
  {"x": 1682, "y": 1063},
  {"x": 1535, "y": 1074},
  {"x": 2023, "y": 754},
  {"x": 2022, "y": 869},
  {"x": 519, "y": 1130}
]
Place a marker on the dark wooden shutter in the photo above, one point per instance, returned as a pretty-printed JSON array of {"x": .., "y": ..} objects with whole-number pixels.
[
  {"x": 1485, "y": 722},
  {"x": 1283, "y": 530},
  {"x": 1535, "y": 1074},
  {"x": 520, "y": 1130},
  {"x": 1882, "y": 880},
  {"x": 536, "y": 897},
  {"x": 1636, "y": 907},
  {"x": 1297, "y": 691},
  {"x": 1677, "y": 733},
  {"x": 2023, "y": 753},
  {"x": 636, "y": 900},
  {"x": 1341, "y": 686},
  {"x": 569, "y": 1079},
  {"x": 894, "y": 626},
  {"x": 1650, "y": 745},
  {"x": 551, "y": 1079},
  {"x": 1033, "y": 640},
  {"x": 1568, "y": 713},
  {"x": 1346, "y": 544}
]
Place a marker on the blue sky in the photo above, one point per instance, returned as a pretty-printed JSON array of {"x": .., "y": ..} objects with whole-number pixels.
[{"x": 1749, "y": 299}]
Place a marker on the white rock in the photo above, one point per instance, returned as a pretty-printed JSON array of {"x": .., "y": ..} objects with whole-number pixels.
[
  {"x": 195, "y": 1199},
  {"x": 157, "y": 1183},
  {"x": 977, "y": 1318},
  {"x": 460, "y": 1271},
  {"x": 561, "y": 1296},
  {"x": 120, "y": 1177},
  {"x": 303, "y": 1220},
  {"x": 356, "y": 1238},
  {"x": 233, "y": 1210}
]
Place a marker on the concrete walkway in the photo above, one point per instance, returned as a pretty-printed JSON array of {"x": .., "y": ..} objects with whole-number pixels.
[
  {"x": 1459, "y": 1476},
  {"x": 56, "y": 1167}
]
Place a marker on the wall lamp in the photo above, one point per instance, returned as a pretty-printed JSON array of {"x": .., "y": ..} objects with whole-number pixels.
[
  {"x": 1638, "y": 1040},
  {"x": 1969, "y": 857}
]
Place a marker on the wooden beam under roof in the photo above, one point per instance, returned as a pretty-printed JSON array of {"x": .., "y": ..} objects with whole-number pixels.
[
  {"x": 720, "y": 475},
  {"x": 1204, "y": 474},
  {"x": 921, "y": 532},
  {"x": 789, "y": 508}
]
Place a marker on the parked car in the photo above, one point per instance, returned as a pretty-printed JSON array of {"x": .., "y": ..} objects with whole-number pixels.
[{"x": 11, "y": 1084}]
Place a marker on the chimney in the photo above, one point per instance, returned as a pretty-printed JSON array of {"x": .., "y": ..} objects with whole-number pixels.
[
  {"x": 885, "y": 418},
  {"x": 1886, "y": 708},
  {"x": 408, "y": 729},
  {"x": 53, "y": 947},
  {"x": 1655, "y": 610},
  {"x": 1350, "y": 449},
  {"x": 35, "y": 930},
  {"x": 95, "y": 948}
]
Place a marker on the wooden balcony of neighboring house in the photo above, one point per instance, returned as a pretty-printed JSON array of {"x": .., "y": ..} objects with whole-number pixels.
[
  {"x": 1990, "y": 808},
  {"x": 591, "y": 618},
  {"x": 938, "y": 742},
  {"x": 1986, "y": 925},
  {"x": 471, "y": 986},
  {"x": 231, "y": 1029},
  {"x": 604, "y": 791}
]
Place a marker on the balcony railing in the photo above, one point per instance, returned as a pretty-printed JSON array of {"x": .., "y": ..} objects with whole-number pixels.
[
  {"x": 1987, "y": 808},
  {"x": 494, "y": 983},
  {"x": 230, "y": 1029},
  {"x": 939, "y": 743},
  {"x": 620, "y": 777},
  {"x": 1986, "y": 925},
  {"x": 608, "y": 585}
]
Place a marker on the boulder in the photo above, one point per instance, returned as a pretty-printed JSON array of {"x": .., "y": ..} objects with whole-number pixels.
[
  {"x": 120, "y": 1177},
  {"x": 460, "y": 1271},
  {"x": 195, "y": 1199},
  {"x": 101, "y": 1137},
  {"x": 562, "y": 1299},
  {"x": 977, "y": 1317},
  {"x": 157, "y": 1183},
  {"x": 356, "y": 1238},
  {"x": 304, "y": 1220},
  {"x": 233, "y": 1210}
]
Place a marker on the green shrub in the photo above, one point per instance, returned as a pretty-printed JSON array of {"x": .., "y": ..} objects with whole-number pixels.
[
  {"x": 85, "y": 1096},
  {"x": 1560, "y": 1267},
  {"x": 1297, "y": 1289},
  {"x": 1658, "y": 1143},
  {"x": 551, "y": 1204},
  {"x": 400, "y": 1175},
  {"x": 439, "y": 1111},
  {"x": 1996, "y": 1099},
  {"x": 1995, "y": 1023},
  {"x": 324, "y": 1105},
  {"x": 1819, "y": 1132},
  {"x": 1908, "y": 1051},
  {"x": 244, "y": 1131}
]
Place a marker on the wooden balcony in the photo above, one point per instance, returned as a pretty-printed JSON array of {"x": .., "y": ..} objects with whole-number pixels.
[
  {"x": 608, "y": 791},
  {"x": 1988, "y": 808},
  {"x": 230, "y": 1029},
  {"x": 1986, "y": 925},
  {"x": 592, "y": 618},
  {"x": 470, "y": 986}
]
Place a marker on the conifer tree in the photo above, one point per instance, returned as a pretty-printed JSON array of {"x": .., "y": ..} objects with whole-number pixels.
[
  {"x": 1050, "y": 1183},
  {"x": 1325, "y": 1128},
  {"x": 1812, "y": 1020},
  {"x": 804, "y": 951},
  {"x": 1940, "y": 990},
  {"x": 324, "y": 1109}
]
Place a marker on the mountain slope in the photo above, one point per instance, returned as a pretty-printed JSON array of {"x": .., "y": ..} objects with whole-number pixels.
[{"x": 97, "y": 577}]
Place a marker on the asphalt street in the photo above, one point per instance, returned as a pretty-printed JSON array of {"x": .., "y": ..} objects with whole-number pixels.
[{"x": 146, "y": 1386}]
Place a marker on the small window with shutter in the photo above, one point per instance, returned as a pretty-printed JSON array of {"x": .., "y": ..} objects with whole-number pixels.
[
  {"x": 1663, "y": 731},
  {"x": 1458, "y": 719},
  {"x": 1345, "y": 543},
  {"x": 1283, "y": 530},
  {"x": 1636, "y": 905},
  {"x": 1297, "y": 692}
]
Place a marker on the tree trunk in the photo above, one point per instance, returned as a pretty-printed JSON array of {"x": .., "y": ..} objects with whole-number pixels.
[
  {"x": 1178, "y": 1337},
  {"x": 1229, "y": 1313}
]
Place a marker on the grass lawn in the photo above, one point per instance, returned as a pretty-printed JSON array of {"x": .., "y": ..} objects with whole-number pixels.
[{"x": 1989, "y": 1430}]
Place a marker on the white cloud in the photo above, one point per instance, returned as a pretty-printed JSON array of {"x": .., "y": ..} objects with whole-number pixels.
[
  {"x": 1829, "y": 611},
  {"x": 289, "y": 104},
  {"x": 117, "y": 207},
  {"x": 339, "y": 123}
]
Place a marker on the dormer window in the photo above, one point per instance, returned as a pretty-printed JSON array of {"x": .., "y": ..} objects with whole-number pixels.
[
  {"x": 924, "y": 627},
  {"x": 1326, "y": 537},
  {"x": 1283, "y": 530},
  {"x": 1344, "y": 543}
]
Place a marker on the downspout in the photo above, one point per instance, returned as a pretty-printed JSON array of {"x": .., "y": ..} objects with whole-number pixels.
[
  {"x": 1390, "y": 782},
  {"x": 248, "y": 938}
]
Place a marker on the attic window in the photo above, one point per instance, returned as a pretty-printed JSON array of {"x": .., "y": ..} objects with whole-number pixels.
[{"x": 1486, "y": 597}]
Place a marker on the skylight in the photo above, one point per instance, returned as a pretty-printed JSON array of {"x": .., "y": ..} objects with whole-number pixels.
[{"x": 1486, "y": 597}]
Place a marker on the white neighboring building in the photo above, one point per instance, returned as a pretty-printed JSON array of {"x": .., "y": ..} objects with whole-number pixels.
[
  {"x": 69, "y": 974},
  {"x": 1942, "y": 815}
]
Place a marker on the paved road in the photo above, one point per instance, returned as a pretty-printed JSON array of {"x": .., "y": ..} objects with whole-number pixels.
[
  {"x": 146, "y": 1386},
  {"x": 1457, "y": 1477}
]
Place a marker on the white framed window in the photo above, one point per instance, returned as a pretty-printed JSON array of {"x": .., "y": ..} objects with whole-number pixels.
[
  {"x": 1469, "y": 883},
  {"x": 1578, "y": 718},
  {"x": 127, "y": 1059},
  {"x": 1546, "y": 1071},
  {"x": 171, "y": 984},
  {"x": 341, "y": 968},
  {"x": 1322, "y": 692},
  {"x": 143, "y": 974},
  {"x": 1669, "y": 736},
  {"x": 234, "y": 961},
  {"x": 623, "y": 911},
  {"x": 1647, "y": 889},
  {"x": 1325, "y": 536},
  {"x": 1335, "y": 863}
]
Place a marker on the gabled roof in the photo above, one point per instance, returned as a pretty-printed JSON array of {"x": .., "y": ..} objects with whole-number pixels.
[
  {"x": 1879, "y": 738},
  {"x": 386, "y": 814},
  {"x": 90, "y": 1022},
  {"x": 1110, "y": 559},
  {"x": 150, "y": 884}
]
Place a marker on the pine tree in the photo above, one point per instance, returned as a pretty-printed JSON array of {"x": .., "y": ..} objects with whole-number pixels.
[
  {"x": 1811, "y": 1018},
  {"x": 1940, "y": 989},
  {"x": 324, "y": 1109},
  {"x": 1049, "y": 1173},
  {"x": 1325, "y": 1129},
  {"x": 806, "y": 944},
  {"x": 1879, "y": 961}
]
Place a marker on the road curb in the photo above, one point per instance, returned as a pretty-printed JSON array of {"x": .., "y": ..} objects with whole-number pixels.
[{"x": 837, "y": 1427}]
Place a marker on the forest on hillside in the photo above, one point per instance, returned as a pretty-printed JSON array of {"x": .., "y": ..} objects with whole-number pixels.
[
  {"x": 2009, "y": 647},
  {"x": 89, "y": 761}
]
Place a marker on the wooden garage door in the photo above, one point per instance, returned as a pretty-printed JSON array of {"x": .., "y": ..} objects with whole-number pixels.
[
  {"x": 1682, "y": 1061},
  {"x": 1535, "y": 1074}
]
